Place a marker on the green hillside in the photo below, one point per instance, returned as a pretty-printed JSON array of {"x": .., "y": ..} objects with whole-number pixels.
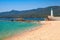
[{"x": 39, "y": 12}]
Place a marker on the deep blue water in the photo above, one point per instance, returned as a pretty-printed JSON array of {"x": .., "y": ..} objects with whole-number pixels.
[
  {"x": 24, "y": 18},
  {"x": 34, "y": 18},
  {"x": 8, "y": 18}
]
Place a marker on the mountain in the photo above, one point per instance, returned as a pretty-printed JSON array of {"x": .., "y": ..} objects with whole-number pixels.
[{"x": 39, "y": 12}]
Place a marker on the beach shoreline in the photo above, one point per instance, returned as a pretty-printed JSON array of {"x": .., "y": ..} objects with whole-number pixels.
[{"x": 48, "y": 31}]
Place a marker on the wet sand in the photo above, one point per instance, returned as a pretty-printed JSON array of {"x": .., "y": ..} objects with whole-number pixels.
[{"x": 49, "y": 31}]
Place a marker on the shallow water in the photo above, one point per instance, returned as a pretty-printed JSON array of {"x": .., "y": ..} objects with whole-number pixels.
[{"x": 10, "y": 28}]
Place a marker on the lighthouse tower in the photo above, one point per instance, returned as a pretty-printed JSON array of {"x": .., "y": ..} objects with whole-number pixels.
[
  {"x": 51, "y": 17},
  {"x": 51, "y": 12}
]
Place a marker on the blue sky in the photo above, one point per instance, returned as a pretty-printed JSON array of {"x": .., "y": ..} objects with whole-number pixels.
[{"x": 7, "y": 5}]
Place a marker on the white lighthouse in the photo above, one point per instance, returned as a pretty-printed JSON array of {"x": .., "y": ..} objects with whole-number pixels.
[
  {"x": 51, "y": 17},
  {"x": 51, "y": 12}
]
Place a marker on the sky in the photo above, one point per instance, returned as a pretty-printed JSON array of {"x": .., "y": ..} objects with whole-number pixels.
[{"x": 7, "y": 5}]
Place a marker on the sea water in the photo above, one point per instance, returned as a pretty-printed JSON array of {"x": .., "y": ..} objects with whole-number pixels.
[
  {"x": 9, "y": 19},
  {"x": 8, "y": 28}
]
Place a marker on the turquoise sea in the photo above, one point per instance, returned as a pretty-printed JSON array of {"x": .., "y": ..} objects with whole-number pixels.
[{"x": 8, "y": 28}]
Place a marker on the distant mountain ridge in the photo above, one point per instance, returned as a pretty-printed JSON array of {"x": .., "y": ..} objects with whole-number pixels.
[{"x": 39, "y": 12}]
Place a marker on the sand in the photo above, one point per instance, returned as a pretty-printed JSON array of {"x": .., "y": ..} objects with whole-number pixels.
[{"x": 49, "y": 31}]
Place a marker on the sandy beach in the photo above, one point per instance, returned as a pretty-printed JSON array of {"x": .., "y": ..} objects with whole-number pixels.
[{"x": 49, "y": 31}]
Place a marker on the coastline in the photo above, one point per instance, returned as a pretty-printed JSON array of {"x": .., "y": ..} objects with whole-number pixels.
[
  {"x": 19, "y": 29},
  {"x": 27, "y": 30},
  {"x": 32, "y": 29},
  {"x": 49, "y": 31}
]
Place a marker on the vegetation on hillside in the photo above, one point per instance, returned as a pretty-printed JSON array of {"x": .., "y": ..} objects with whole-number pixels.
[{"x": 39, "y": 12}]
